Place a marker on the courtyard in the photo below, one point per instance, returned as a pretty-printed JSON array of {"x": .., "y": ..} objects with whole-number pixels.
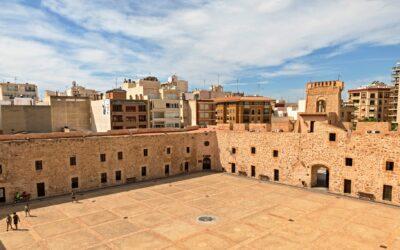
[{"x": 238, "y": 213}]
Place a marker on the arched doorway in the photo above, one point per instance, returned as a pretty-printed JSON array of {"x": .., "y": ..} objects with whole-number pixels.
[
  {"x": 206, "y": 163},
  {"x": 320, "y": 176}
]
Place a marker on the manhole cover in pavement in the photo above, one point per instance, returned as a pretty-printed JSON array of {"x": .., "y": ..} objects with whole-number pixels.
[{"x": 206, "y": 218}]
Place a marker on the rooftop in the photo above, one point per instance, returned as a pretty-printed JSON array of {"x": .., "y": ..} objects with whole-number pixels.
[
  {"x": 244, "y": 214},
  {"x": 243, "y": 99},
  {"x": 376, "y": 85}
]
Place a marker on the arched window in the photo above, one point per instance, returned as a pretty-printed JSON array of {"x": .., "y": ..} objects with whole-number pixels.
[
  {"x": 130, "y": 97},
  {"x": 321, "y": 106},
  {"x": 136, "y": 97}
]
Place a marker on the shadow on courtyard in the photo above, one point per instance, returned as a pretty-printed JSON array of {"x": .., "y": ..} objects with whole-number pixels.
[{"x": 93, "y": 193}]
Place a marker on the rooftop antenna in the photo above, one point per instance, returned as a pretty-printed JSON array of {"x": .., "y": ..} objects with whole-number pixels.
[
  {"x": 237, "y": 85},
  {"x": 338, "y": 77},
  {"x": 218, "y": 78},
  {"x": 258, "y": 88},
  {"x": 15, "y": 79},
  {"x": 204, "y": 84}
]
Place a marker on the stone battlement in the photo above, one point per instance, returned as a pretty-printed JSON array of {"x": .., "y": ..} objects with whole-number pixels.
[{"x": 336, "y": 84}]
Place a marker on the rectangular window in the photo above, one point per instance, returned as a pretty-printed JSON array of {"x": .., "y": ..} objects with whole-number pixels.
[
  {"x": 103, "y": 177},
  {"x": 130, "y": 109},
  {"x": 144, "y": 171},
  {"x": 120, "y": 155},
  {"x": 347, "y": 186},
  {"x": 332, "y": 137},
  {"x": 312, "y": 126},
  {"x": 188, "y": 150},
  {"x": 145, "y": 152},
  {"x": 72, "y": 161},
  {"x": 118, "y": 175},
  {"x": 275, "y": 153},
  {"x": 387, "y": 193},
  {"x": 276, "y": 175},
  {"x": 38, "y": 165},
  {"x": 233, "y": 168},
  {"x": 253, "y": 150},
  {"x": 389, "y": 166},
  {"x": 74, "y": 182},
  {"x": 142, "y": 108},
  {"x": 102, "y": 157},
  {"x": 168, "y": 151},
  {"x": 166, "y": 169},
  {"x": 253, "y": 171},
  {"x": 233, "y": 150},
  {"x": 349, "y": 162},
  {"x": 1, "y": 169},
  {"x": 117, "y": 108}
]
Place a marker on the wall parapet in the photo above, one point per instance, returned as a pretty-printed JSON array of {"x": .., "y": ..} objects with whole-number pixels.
[{"x": 81, "y": 134}]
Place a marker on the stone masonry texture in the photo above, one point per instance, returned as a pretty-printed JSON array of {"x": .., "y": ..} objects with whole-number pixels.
[{"x": 297, "y": 154}]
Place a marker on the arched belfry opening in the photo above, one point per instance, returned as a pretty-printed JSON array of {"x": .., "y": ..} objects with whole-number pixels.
[
  {"x": 320, "y": 176},
  {"x": 321, "y": 106}
]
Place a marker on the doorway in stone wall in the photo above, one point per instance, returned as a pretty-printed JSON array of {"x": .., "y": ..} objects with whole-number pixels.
[
  {"x": 320, "y": 176},
  {"x": 2, "y": 194},
  {"x": 206, "y": 163}
]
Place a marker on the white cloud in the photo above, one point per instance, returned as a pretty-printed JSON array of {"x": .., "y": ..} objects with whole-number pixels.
[
  {"x": 196, "y": 39},
  {"x": 291, "y": 69}
]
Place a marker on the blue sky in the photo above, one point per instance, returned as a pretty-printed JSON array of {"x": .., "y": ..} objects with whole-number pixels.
[{"x": 272, "y": 47}]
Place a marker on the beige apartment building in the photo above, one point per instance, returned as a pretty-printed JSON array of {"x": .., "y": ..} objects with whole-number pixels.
[
  {"x": 201, "y": 107},
  {"x": 202, "y": 112},
  {"x": 246, "y": 109},
  {"x": 165, "y": 113},
  {"x": 116, "y": 112},
  {"x": 10, "y": 91},
  {"x": 76, "y": 91},
  {"x": 371, "y": 102},
  {"x": 142, "y": 89},
  {"x": 167, "y": 107}
]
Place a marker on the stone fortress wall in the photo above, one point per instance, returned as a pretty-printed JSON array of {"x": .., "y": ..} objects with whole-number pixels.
[
  {"x": 299, "y": 154},
  {"x": 123, "y": 153},
  {"x": 318, "y": 152}
]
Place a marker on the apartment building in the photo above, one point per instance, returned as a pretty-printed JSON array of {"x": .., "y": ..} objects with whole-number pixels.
[
  {"x": 10, "y": 91},
  {"x": 394, "y": 109},
  {"x": 116, "y": 112},
  {"x": 201, "y": 106},
  {"x": 76, "y": 91},
  {"x": 202, "y": 112},
  {"x": 165, "y": 113},
  {"x": 371, "y": 102},
  {"x": 142, "y": 89},
  {"x": 247, "y": 109},
  {"x": 166, "y": 103}
]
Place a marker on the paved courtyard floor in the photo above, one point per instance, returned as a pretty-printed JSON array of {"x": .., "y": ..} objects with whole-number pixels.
[{"x": 163, "y": 215}]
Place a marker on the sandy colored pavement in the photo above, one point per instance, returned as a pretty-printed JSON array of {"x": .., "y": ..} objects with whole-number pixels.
[{"x": 247, "y": 214}]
